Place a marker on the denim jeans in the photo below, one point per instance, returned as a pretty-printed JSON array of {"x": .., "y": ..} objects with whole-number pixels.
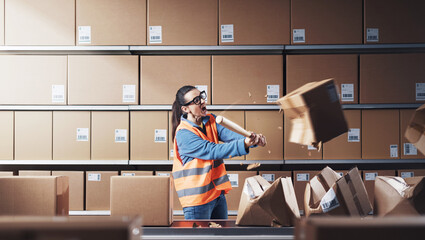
[{"x": 216, "y": 209}]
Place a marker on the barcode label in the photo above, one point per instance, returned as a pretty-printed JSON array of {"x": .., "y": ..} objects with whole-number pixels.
[
  {"x": 203, "y": 88},
  {"x": 234, "y": 179},
  {"x": 58, "y": 93},
  {"x": 410, "y": 149},
  {"x": 370, "y": 176},
  {"x": 227, "y": 33},
  {"x": 298, "y": 35},
  {"x": 333, "y": 95},
  {"x": 163, "y": 174},
  {"x": 120, "y": 135},
  {"x": 347, "y": 91},
  {"x": 129, "y": 174},
  {"x": 354, "y": 135},
  {"x": 155, "y": 34},
  {"x": 372, "y": 35},
  {"x": 329, "y": 201},
  {"x": 303, "y": 177},
  {"x": 94, "y": 177},
  {"x": 129, "y": 93},
  {"x": 420, "y": 91},
  {"x": 82, "y": 134},
  {"x": 172, "y": 153},
  {"x": 160, "y": 135},
  {"x": 407, "y": 174},
  {"x": 268, "y": 176},
  {"x": 84, "y": 34},
  {"x": 394, "y": 151},
  {"x": 273, "y": 92}
]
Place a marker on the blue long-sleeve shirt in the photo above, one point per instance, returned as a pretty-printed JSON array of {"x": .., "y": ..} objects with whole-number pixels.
[{"x": 192, "y": 146}]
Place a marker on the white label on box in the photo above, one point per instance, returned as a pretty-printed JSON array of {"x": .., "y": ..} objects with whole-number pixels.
[
  {"x": 370, "y": 176},
  {"x": 84, "y": 34},
  {"x": 333, "y": 95},
  {"x": 127, "y": 174},
  {"x": 372, "y": 35},
  {"x": 410, "y": 149},
  {"x": 120, "y": 135},
  {"x": 407, "y": 174},
  {"x": 272, "y": 93},
  {"x": 227, "y": 33},
  {"x": 298, "y": 35},
  {"x": 329, "y": 201},
  {"x": 310, "y": 147},
  {"x": 163, "y": 174},
  {"x": 160, "y": 135},
  {"x": 354, "y": 135},
  {"x": 347, "y": 92},
  {"x": 82, "y": 134},
  {"x": 234, "y": 179},
  {"x": 203, "y": 88},
  {"x": 155, "y": 34},
  {"x": 303, "y": 177},
  {"x": 394, "y": 151},
  {"x": 172, "y": 153},
  {"x": 420, "y": 91},
  {"x": 94, "y": 177},
  {"x": 129, "y": 93},
  {"x": 268, "y": 176},
  {"x": 58, "y": 93}
]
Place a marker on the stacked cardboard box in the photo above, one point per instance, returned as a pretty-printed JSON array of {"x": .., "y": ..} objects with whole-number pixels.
[
  {"x": 98, "y": 190},
  {"x": 237, "y": 179},
  {"x": 369, "y": 177},
  {"x": 6, "y": 131},
  {"x": 76, "y": 188},
  {"x": 407, "y": 173},
  {"x": 136, "y": 173},
  {"x": 301, "y": 178},
  {"x": 34, "y": 173},
  {"x": 271, "y": 176},
  {"x": 176, "y": 201}
]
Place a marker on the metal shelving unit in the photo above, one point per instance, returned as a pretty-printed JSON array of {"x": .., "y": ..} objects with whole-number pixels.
[
  {"x": 65, "y": 162},
  {"x": 65, "y": 50}
]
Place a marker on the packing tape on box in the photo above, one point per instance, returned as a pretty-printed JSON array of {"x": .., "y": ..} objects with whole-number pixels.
[{"x": 356, "y": 200}]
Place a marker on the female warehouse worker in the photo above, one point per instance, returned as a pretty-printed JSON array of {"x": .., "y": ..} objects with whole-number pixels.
[{"x": 199, "y": 174}]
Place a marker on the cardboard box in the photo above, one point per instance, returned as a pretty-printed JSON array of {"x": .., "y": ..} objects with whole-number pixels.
[
  {"x": 110, "y": 135},
  {"x": 369, "y": 177},
  {"x": 176, "y": 201},
  {"x": 112, "y": 22},
  {"x": 71, "y": 135},
  {"x": 103, "y": 79},
  {"x": 33, "y": 80},
  {"x": 315, "y": 113},
  {"x": 98, "y": 190},
  {"x": 323, "y": 22},
  {"x": 37, "y": 196},
  {"x": 343, "y": 68},
  {"x": 128, "y": 173},
  {"x": 162, "y": 76},
  {"x": 34, "y": 173},
  {"x": 408, "y": 173},
  {"x": 268, "y": 123},
  {"x": 380, "y": 134},
  {"x": 184, "y": 22},
  {"x": 39, "y": 22},
  {"x": 347, "y": 145},
  {"x": 1, "y": 22},
  {"x": 237, "y": 178},
  {"x": 3, "y": 173},
  {"x": 301, "y": 178},
  {"x": 75, "y": 227},
  {"x": 248, "y": 79},
  {"x": 148, "y": 134},
  {"x": 395, "y": 196},
  {"x": 392, "y": 78},
  {"x": 147, "y": 196},
  {"x": 271, "y": 176},
  {"x": 6, "y": 131},
  {"x": 76, "y": 188},
  {"x": 408, "y": 149},
  {"x": 396, "y": 22},
  {"x": 264, "y": 204},
  {"x": 254, "y": 22},
  {"x": 414, "y": 131},
  {"x": 33, "y": 135}
]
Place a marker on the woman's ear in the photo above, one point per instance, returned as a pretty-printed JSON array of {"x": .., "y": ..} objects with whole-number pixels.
[{"x": 185, "y": 109}]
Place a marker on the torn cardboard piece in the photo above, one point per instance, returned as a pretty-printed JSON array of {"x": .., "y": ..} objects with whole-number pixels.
[{"x": 415, "y": 131}]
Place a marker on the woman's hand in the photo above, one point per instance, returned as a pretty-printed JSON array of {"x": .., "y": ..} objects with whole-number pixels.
[{"x": 255, "y": 139}]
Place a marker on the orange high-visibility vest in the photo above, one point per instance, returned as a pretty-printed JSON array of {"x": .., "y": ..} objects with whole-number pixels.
[{"x": 199, "y": 181}]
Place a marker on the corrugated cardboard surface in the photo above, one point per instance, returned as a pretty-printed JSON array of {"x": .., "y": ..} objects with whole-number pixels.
[
  {"x": 1, "y": 22},
  {"x": 104, "y": 126},
  {"x": 41, "y": 196},
  {"x": 170, "y": 137},
  {"x": 256, "y": 22},
  {"x": 28, "y": 79},
  {"x": 380, "y": 130},
  {"x": 136, "y": 173},
  {"x": 294, "y": 151},
  {"x": 328, "y": 21},
  {"x": 33, "y": 135},
  {"x": 340, "y": 147},
  {"x": 299, "y": 185},
  {"x": 405, "y": 117},
  {"x": 234, "y": 196},
  {"x": 40, "y": 22},
  {"x": 275, "y": 174},
  {"x": 3, "y": 173},
  {"x": 100, "y": 79},
  {"x": 302, "y": 69},
  {"x": 370, "y": 184},
  {"x": 176, "y": 202},
  {"x": 76, "y": 188},
  {"x": 34, "y": 173},
  {"x": 397, "y": 21},
  {"x": 112, "y": 22},
  {"x": 162, "y": 76},
  {"x": 65, "y": 143},
  {"x": 145, "y": 142},
  {"x": 148, "y": 197},
  {"x": 98, "y": 192},
  {"x": 244, "y": 79},
  {"x": 270, "y": 124},
  {"x": 6, "y": 131},
  {"x": 411, "y": 172},
  {"x": 184, "y": 22},
  {"x": 390, "y": 78}
]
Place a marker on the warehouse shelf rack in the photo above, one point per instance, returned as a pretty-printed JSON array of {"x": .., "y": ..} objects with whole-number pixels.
[
  {"x": 65, "y": 162},
  {"x": 353, "y": 161},
  {"x": 65, "y": 50}
]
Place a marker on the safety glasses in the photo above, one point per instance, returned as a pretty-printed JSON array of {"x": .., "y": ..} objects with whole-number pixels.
[{"x": 197, "y": 100}]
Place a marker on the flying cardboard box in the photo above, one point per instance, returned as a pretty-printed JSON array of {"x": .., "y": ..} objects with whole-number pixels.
[
  {"x": 147, "y": 196},
  {"x": 37, "y": 196},
  {"x": 111, "y": 22},
  {"x": 76, "y": 188},
  {"x": 369, "y": 177},
  {"x": 415, "y": 130},
  {"x": 408, "y": 173},
  {"x": 236, "y": 178},
  {"x": 6, "y": 131},
  {"x": 409, "y": 149},
  {"x": 98, "y": 190}
]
